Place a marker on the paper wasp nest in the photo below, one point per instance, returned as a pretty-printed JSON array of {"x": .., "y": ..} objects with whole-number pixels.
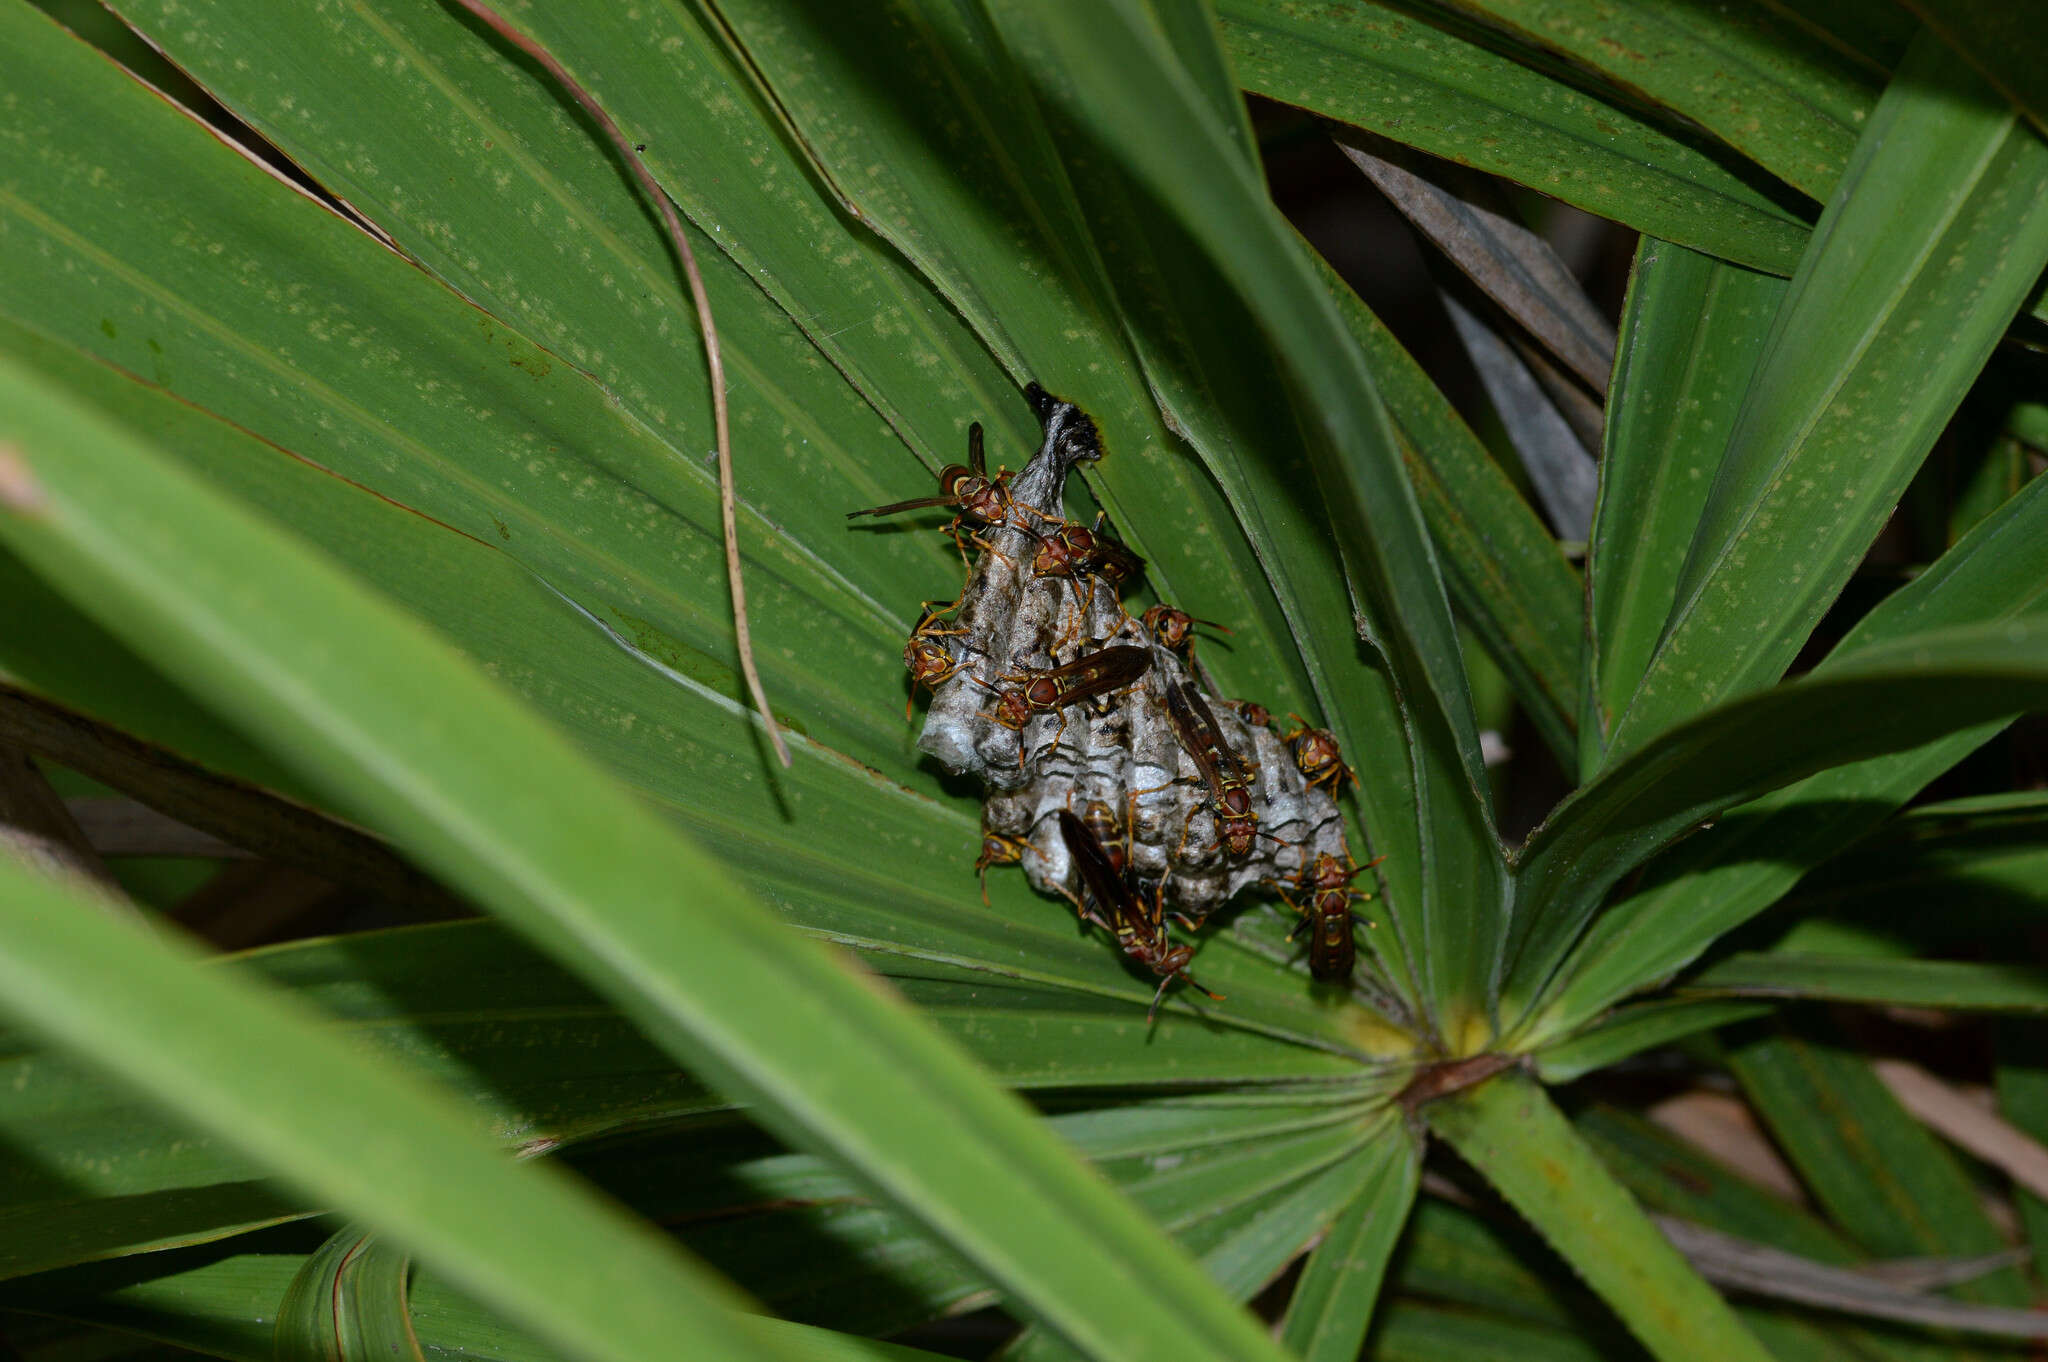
[{"x": 1120, "y": 750}]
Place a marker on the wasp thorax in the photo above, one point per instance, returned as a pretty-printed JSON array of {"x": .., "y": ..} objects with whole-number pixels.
[
  {"x": 1239, "y": 835},
  {"x": 982, "y": 500},
  {"x": 1012, "y": 710},
  {"x": 1063, "y": 552}
]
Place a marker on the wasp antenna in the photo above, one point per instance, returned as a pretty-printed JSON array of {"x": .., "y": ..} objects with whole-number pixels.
[
  {"x": 893, "y": 507},
  {"x": 975, "y": 458}
]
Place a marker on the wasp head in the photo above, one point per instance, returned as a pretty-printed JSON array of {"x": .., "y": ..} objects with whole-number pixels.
[{"x": 1168, "y": 625}]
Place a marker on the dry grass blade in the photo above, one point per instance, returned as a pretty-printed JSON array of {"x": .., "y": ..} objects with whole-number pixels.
[
  {"x": 1564, "y": 474},
  {"x": 681, "y": 245},
  {"x": 1726, "y": 1127},
  {"x": 1463, "y": 214},
  {"x": 1759, "y": 1270},
  {"x": 1880, "y": 1290},
  {"x": 1967, "y": 1124},
  {"x": 266, "y": 824}
]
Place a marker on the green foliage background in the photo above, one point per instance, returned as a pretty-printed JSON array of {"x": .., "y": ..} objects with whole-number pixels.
[{"x": 394, "y": 498}]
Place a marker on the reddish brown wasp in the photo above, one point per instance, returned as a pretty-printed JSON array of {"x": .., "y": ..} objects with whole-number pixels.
[
  {"x": 980, "y": 499},
  {"x": 1111, "y": 559},
  {"x": 1237, "y": 822},
  {"x": 1109, "y": 831},
  {"x": 1327, "y": 882},
  {"x": 1174, "y": 628},
  {"x": 1066, "y": 552},
  {"x": 1073, "y": 551},
  {"x": 929, "y": 661},
  {"x": 1317, "y": 755},
  {"x": 1252, "y": 712},
  {"x": 997, "y": 849},
  {"x": 1140, "y": 932},
  {"x": 1050, "y": 692}
]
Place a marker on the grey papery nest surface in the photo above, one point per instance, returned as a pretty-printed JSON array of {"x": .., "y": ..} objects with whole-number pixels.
[{"x": 1120, "y": 750}]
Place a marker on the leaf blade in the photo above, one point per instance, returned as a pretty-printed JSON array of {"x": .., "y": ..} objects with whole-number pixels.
[
  {"x": 1332, "y": 1305},
  {"x": 591, "y": 874},
  {"x": 1758, "y": 81},
  {"x": 1922, "y": 257},
  {"x": 1436, "y": 88},
  {"x": 303, "y": 1102},
  {"x": 1879, "y": 1174},
  {"x": 2009, "y": 54},
  {"x": 1508, "y": 1129},
  {"x": 466, "y": 421},
  {"x": 1952, "y": 984},
  {"x": 1691, "y": 332},
  {"x": 1877, "y": 701},
  {"x": 1729, "y": 873},
  {"x": 865, "y": 876}
]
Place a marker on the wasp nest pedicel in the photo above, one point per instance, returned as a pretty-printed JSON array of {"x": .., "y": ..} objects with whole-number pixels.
[{"x": 1114, "y": 779}]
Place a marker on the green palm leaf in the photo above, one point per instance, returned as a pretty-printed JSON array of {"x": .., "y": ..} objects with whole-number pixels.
[
  {"x": 171, "y": 567},
  {"x": 371, "y": 467}
]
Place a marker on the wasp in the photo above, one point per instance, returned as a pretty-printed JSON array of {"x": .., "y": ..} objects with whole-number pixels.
[
  {"x": 929, "y": 661},
  {"x": 1140, "y": 932},
  {"x": 1066, "y": 552},
  {"x": 1051, "y": 691},
  {"x": 1327, "y": 883},
  {"x": 1073, "y": 551},
  {"x": 978, "y": 498},
  {"x": 1109, "y": 833},
  {"x": 1111, "y": 558},
  {"x": 1237, "y": 822},
  {"x": 1317, "y": 756},
  {"x": 1173, "y": 629},
  {"x": 1252, "y": 712},
  {"x": 997, "y": 849}
]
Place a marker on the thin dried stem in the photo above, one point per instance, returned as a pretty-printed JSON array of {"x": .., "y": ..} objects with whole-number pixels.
[
  {"x": 265, "y": 824},
  {"x": 681, "y": 245},
  {"x": 38, "y": 830}
]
